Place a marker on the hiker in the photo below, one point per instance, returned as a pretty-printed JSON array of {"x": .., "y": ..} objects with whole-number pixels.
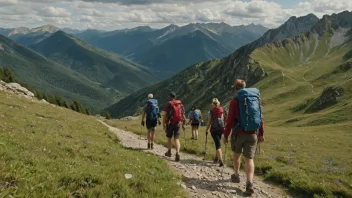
[
  {"x": 195, "y": 117},
  {"x": 216, "y": 123},
  {"x": 174, "y": 116},
  {"x": 152, "y": 115},
  {"x": 245, "y": 121}
]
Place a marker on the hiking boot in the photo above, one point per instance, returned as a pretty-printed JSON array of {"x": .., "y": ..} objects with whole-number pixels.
[
  {"x": 177, "y": 157},
  {"x": 168, "y": 154},
  {"x": 249, "y": 188},
  {"x": 148, "y": 145},
  {"x": 152, "y": 146},
  {"x": 235, "y": 178},
  {"x": 216, "y": 160},
  {"x": 221, "y": 164}
]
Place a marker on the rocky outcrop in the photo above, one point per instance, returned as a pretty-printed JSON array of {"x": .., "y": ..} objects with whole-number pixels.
[
  {"x": 329, "y": 97},
  {"x": 17, "y": 89}
]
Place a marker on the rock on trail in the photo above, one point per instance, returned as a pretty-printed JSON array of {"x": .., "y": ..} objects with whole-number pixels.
[{"x": 200, "y": 178}]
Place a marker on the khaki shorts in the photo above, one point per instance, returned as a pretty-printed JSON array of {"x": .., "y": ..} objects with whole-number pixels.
[{"x": 245, "y": 144}]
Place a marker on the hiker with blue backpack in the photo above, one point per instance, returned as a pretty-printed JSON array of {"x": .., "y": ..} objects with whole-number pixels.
[
  {"x": 245, "y": 120},
  {"x": 195, "y": 118},
  {"x": 152, "y": 115}
]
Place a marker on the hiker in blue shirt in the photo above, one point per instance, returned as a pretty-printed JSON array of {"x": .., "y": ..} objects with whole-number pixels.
[
  {"x": 195, "y": 118},
  {"x": 152, "y": 115}
]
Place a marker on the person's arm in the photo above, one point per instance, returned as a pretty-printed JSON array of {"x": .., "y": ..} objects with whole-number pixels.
[
  {"x": 165, "y": 116},
  {"x": 261, "y": 131},
  {"x": 230, "y": 119},
  {"x": 143, "y": 115},
  {"x": 183, "y": 117}
]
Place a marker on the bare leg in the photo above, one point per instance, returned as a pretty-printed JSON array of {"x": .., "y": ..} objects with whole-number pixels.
[
  {"x": 236, "y": 162},
  {"x": 196, "y": 132},
  {"x": 178, "y": 145},
  {"x": 169, "y": 144},
  {"x": 152, "y": 137},
  {"x": 219, "y": 154},
  {"x": 249, "y": 169},
  {"x": 148, "y": 136}
]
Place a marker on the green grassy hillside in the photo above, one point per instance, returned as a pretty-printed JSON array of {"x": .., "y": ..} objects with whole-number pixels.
[
  {"x": 48, "y": 151},
  {"x": 299, "y": 70},
  {"x": 51, "y": 77},
  {"x": 102, "y": 67}
]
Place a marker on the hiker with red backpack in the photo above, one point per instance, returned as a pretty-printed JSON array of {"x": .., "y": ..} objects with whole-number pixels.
[
  {"x": 245, "y": 119},
  {"x": 216, "y": 124},
  {"x": 152, "y": 115},
  {"x": 174, "y": 117},
  {"x": 195, "y": 118}
]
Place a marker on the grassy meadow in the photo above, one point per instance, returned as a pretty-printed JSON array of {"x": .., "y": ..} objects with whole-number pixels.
[{"x": 48, "y": 151}]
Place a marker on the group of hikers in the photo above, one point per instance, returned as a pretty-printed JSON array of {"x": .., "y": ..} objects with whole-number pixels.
[{"x": 244, "y": 124}]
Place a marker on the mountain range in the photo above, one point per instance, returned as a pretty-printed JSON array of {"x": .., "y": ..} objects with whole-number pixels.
[
  {"x": 73, "y": 69},
  {"x": 166, "y": 51},
  {"x": 107, "y": 69},
  {"x": 301, "y": 58},
  {"x": 51, "y": 77},
  {"x": 173, "y": 48}
]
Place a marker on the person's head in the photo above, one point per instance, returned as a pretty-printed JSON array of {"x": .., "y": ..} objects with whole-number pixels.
[
  {"x": 150, "y": 96},
  {"x": 194, "y": 107},
  {"x": 172, "y": 95},
  {"x": 215, "y": 103},
  {"x": 239, "y": 84}
]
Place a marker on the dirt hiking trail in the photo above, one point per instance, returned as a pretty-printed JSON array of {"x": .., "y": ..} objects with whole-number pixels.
[{"x": 200, "y": 178}]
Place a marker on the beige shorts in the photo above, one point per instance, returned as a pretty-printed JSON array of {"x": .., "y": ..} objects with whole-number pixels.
[{"x": 245, "y": 144}]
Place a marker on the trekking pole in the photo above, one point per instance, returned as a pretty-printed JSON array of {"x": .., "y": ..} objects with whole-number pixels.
[
  {"x": 140, "y": 137},
  {"x": 184, "y": 136},
  {"x": 223, "y": 167},
  {"x": 205, "y": 149}
]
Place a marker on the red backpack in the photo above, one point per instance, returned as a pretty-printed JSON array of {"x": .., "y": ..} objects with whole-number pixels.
[
  {"x": 218, "y": 121},
  {"x": 176, "y": 112}
]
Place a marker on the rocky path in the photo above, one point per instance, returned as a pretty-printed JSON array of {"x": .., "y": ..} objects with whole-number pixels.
[{"x": 200, "y": 178}]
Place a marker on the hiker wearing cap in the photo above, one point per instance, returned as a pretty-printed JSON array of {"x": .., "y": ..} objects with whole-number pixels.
[
  {"x": 195, "y": 117},
  {"x": 216, "y": 124},
  {"x": 151, "y": 113},
  {"x": 174, "y": 117},
  {"x": 247, "y": 126}
]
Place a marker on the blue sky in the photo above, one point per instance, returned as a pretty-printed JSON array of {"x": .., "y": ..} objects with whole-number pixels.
[{"x": 118, "y": 14}]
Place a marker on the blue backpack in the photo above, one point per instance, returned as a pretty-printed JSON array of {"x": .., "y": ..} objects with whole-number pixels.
[
  {"x": 152, "y": 109},
  {"x": 250, "y": 109},
  {"x": 196, "y": 116}
]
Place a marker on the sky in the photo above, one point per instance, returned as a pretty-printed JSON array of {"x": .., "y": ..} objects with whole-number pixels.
[{"x": 120, "y": 14}]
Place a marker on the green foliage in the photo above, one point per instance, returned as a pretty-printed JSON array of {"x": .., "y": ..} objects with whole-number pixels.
[
  {"x": 106, "y": 115},
  {"x": 47, "y": 151},
  {"x": 7, "y": 76}
]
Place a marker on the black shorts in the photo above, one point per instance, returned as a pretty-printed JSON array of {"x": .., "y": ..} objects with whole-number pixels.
[
  {"x": 173, "y": 130},
  {"x": 216, "y": 135},
  {"x": 151, "y": 124},
  {"x": 195, "y": 124}
]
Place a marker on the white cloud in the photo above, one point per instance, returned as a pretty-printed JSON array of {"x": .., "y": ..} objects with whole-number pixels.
[
  {"x": 7, "y": 2},
  {"x": 114, "y": 14},
  {"x": 327, "y": 6},
  {"x": 53, "y": 12}
]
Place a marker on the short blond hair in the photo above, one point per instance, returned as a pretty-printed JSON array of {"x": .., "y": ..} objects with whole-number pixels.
[
  {"x": 240, "y": 83},
  {"x": 216, "y": 102}
]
